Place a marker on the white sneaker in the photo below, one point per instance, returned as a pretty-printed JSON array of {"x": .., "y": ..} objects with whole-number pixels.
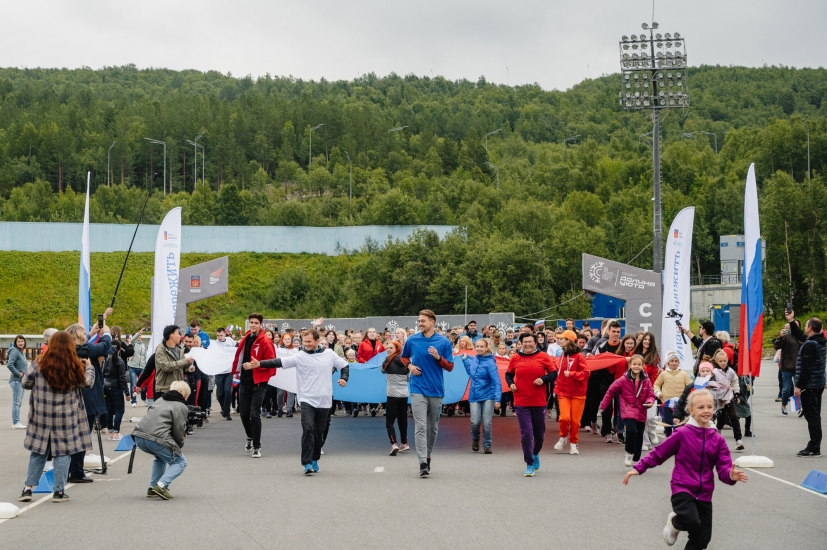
[
  {"x": 629, "y": 460},
  {"x": 670, "y": 534},
  {"x": 654, "y": 441},
  {"x": 19, "y": 426},
  {"x": 560, "y": 444},
  {"x": 648, "y": 446},
  {"x": 609, "y": 438},
  {"x": 134, "y": 405},
  {"x": 739, "y": 445},
  {"x": 573, "y": 449},
  {"x": 256, "y": 453}
]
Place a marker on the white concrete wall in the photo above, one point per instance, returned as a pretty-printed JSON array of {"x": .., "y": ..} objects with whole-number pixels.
[{"x": 703, "y": 297}]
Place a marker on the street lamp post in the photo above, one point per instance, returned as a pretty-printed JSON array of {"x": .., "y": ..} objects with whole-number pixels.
[
  {"x": 164, "y": 143},
  {"x": 351, "y": 176},
  {"x": 654, "y": 81},
  {"x": 808, "y": 147},
  {"x": 107, "y": 162},
  {"x": 197, "y": 146},
  {"x": 692, "y": 135},
  {"x": 316, "y": 127},
  {"x": 491, "y": 134}
]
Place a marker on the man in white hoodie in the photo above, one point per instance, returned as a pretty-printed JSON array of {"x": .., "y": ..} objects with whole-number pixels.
[{"x": 314, "y": 380}]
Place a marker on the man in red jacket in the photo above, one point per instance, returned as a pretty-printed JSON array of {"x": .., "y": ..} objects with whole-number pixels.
[{"x": 253, "y": 380}]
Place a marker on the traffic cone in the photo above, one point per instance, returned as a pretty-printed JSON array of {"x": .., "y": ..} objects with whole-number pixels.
[
  {"x": 125, "y": 444},
  {"x": 47, "y": 483}
]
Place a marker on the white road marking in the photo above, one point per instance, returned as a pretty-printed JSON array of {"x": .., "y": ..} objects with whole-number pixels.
[
  {"x": 787, "y": 482},
  {"x": 67, "y": 486},
  {"x": 379, "y": 469}
]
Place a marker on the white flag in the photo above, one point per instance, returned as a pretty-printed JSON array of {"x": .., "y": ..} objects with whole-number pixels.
[
  {"x": 165, "y": 285},
  {"x": 214, "y": 359},
  {"x": 676, "y": 271}
]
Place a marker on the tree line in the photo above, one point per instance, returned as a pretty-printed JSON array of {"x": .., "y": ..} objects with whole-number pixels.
[{"x": 527, "y": 202}]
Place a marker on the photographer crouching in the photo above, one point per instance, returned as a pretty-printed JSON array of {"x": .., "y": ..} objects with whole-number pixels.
[{"x": 161, "y": 433}]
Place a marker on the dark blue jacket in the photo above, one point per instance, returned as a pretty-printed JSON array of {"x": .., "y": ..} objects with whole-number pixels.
[
  {"x": 810, "y": 365},
  {"x": 93, "y": 397},
  {"x": 485, "y": 379}
]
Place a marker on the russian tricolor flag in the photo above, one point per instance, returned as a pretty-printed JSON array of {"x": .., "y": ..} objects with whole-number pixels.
[
  {"x": 752, "y": 290},
  {"x": 84, "y": 296}
]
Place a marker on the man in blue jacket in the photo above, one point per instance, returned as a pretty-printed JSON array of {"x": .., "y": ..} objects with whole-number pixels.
[
  {"x": 427, "y": 354},
  {"x": 195, "y": 330},
  {"x": 92, "y": 397}
]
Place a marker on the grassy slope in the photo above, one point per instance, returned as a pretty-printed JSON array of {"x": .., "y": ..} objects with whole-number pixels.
[{"x": 40, "y": 289}]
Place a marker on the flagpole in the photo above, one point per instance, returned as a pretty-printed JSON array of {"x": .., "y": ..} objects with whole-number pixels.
[{"x": 140, "y": 218}]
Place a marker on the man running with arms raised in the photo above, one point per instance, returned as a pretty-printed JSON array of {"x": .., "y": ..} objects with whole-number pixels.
[{"x": 427, "y": 354}]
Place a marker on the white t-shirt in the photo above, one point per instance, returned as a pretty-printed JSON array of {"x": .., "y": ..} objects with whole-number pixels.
[
  {"x": 314, "y": 376},
  {"x": 227, "y": 343},
  {"x": 554, "y": 350}
]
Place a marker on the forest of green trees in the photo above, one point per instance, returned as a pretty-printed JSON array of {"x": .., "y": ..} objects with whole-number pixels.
[{"x": 527, "y": 206}]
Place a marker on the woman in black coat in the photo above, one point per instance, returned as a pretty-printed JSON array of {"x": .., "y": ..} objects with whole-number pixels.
[{"x": 115, "y": 386}]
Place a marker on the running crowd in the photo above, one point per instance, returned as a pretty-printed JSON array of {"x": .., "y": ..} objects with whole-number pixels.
[{"x": 85, "y": 376}]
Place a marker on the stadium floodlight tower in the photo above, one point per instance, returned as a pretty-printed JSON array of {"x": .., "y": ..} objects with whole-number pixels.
[{"x": 653, "y": 76}]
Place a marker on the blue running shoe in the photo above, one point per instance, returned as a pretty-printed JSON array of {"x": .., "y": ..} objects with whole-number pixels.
[
  {"x": 529, "y": 471},
  {"x": 308, "y": 469},
  {"x": 315, "y": 466},
  {"x": 536, "y": 462}
]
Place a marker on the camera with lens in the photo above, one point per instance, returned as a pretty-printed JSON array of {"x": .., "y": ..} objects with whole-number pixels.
[
  {"x": 82, "y": 352},
  {"x": 677, "y": 316},
  {"x": 194, "y": 416}
]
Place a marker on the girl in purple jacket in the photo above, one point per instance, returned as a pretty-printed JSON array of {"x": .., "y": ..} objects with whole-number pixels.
[
  {"x": 636, "y": 395},
  {"x": 697, "y": 448}
]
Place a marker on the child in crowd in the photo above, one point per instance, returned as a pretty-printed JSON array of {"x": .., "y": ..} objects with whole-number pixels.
[
  {"x": 697, "y": 448},
  {"x": 706, "y": 380},
  {"x": 636, "y": 395},
  {"x": 570, "y": 388},
  {"x": 670, "y": 384},
  {"x": 728, "y": 395}
]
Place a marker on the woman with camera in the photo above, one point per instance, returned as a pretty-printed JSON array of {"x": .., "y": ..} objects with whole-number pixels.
[
  {"x": 57, "y": 419},
  {"x": 161, "y": 433}
]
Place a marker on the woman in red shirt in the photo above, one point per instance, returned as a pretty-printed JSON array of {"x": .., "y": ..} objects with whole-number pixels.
[
  {"x": 368, "y": 349},
  {"x": 528, "y": 372},
  {"x": 571, "y": 385}
]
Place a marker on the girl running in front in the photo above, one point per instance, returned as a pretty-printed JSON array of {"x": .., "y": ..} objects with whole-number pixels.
[
  {"x": 484, "y": 393},
  {"x": 636, "y": 395},
  {"x": 570, "y": 387},
  {"x": 697, "y": 448}
]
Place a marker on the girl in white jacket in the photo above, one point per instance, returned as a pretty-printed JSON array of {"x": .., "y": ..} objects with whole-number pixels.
[{"x": 727, "y": 395}]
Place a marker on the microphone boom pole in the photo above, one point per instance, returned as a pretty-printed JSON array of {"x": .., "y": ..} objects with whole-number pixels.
[{"x": 140, "y": 218}]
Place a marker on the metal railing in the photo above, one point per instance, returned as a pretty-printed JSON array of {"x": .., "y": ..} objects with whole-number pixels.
[{"x": 721, "y": 279}]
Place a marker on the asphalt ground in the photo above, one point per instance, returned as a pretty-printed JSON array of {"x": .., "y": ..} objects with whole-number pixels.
[{"x": 363, "y": 498}]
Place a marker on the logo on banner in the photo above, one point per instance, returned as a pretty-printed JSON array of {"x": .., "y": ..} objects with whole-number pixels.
[
  {"x": 215, "y": 276},
  {"x": 598, "y": 273},
  {"x": 195, "y": 283},
  {"x": 165, "y": 235},
  {"x": 676, "y": 234}
]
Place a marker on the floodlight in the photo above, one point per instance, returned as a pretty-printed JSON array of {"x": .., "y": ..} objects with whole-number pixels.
[
  {"x": 625, "y": 38},
  {"x": 634, "y": 46},
  {"x": 659, "y": 36},
  {"x": 668, "y": 36},
  {"x": 668, "y": 75},
  {"x": 668, "y": 44},
  {"x": 633, "y": 37},
  {"x": 625, "y": 56},
  {"x": 654, "y": 25},
  {"x": 660, "y": 44},
  {"x": 625, "y": 46},
  {"x": 645, "y": 26},
  {"x": 677, "y": 35},
  {"x": 677, "y": 44}
]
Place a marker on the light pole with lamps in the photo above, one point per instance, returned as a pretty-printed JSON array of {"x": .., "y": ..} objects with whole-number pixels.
[
  {"x": 491, "y": 134},
  {"x": 197, "y": 146},
  {"x": 692, "y": 135},
  {"x": 164, "y": 143},
  {"x": 571, "y": 138},
  {"x": 107, "y": 163},
  {"x": 316, "y": 127},
  {"x": 654, "y": 81},
  {"x": 351, "y": 176}
]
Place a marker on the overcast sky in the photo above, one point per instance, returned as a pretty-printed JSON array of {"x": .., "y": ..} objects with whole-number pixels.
[{"x": 556, "y": 43}]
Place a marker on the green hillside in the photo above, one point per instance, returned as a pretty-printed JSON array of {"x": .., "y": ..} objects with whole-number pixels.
[{"x": 527, "y": 205}]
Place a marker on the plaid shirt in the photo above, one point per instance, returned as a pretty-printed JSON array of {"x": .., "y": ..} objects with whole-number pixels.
[{"x": 56, "y": 416}]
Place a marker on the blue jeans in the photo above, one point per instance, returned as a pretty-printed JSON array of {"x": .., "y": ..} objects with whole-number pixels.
[
  {"x": 666, "y": 414},
  {"x": 786, "y": 386},
  {"x": 166, "y": 467},
  {"x": 482, "y": 410},
  {"x": 134, "y": 373},
  {"x": 38, "y": 462},
  {"x": 16, "y": 399}
]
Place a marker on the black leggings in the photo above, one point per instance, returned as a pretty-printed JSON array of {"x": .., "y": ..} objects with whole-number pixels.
[
  {"x": 397, "y": 409},
  {"x": 249, "y": 407},
  {"x": 729, "y": 409},
  {"x": 634, "y": 437},
  {"x": 694, "y": 517}
]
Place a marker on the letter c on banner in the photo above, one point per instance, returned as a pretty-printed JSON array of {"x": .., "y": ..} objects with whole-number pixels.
[{"x": 647, "y": 306}]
